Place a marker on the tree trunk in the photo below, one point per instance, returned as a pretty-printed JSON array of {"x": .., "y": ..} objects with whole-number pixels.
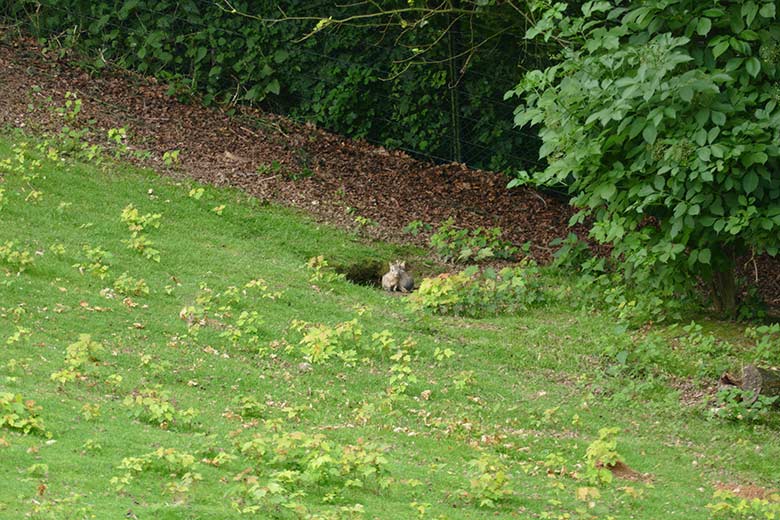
[
  {"x": 724, "y": 284},
  {"x": 724, "y": 292},
  {"x": 759, "y": 381},
  {"x": 454, "y": 45}
]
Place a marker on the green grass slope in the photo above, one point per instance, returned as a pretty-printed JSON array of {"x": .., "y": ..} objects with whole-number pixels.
[{"x": 245, "y": 382}]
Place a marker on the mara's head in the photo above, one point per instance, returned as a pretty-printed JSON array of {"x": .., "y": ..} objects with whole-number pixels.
[{"x": 397, "y": 267}]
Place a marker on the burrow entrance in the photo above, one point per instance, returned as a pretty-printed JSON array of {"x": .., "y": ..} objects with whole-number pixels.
[{"x": 364, "y": 272}]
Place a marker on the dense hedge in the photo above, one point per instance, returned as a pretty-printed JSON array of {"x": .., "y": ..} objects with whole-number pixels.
[{"x": 349, "y": 79}]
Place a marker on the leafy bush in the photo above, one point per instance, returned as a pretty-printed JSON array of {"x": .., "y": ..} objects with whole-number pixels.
[
  {"x": 633, "y": 302},
  {"x": 572, "y": 253},
  {"x": 476, "y": 293},
  {"x": 641, "y": 357},
  {"x": 463, "y": 245},
  {"x": 662, "y": 119}
]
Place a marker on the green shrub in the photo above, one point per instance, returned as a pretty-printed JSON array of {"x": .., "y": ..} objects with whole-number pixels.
[
  {"x": 662, "y": 120},
  {"x": 464, "y": 245},
  {"x": 476, "y": 293}
]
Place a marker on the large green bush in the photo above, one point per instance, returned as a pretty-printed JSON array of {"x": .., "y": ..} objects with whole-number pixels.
[{"x": 663, "y": 119}]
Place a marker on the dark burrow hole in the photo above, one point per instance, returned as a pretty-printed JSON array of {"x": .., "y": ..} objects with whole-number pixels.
[{"x": 366, "y": 272}]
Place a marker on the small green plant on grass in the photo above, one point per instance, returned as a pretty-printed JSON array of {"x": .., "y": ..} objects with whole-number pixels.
[
  {"x": 126, "y": 285},
  {"x": 97, "y": 261},
  {"x": 50, "y": 507},
  {"x": 21, "y": 163},
  {"x": 18, "y": 413},
  {"x": 728, "y": 506},
  {"x": 383, "y": 342},
  {"x": 767, "y": 343},
  {"x": 476, "y": 293},
  {"x": 601, "y": 455},
  {"x": 17, "y": 336},
  {"x": 26, "y": 167},
  {"x": 90, "y": 411},
  {"x": 171, "y": 461},
  {"x": 401, "y": 373},
  {"x": 247, "y": 406},
  {"x": 288, "y": 464},
  {"x": 322, "y": 342},
  {"x": 155, "y": 406},
  {"x": 463, "y": 379},
  {"x": 77, "y": 356},
  {"x": 415, "y": 227},
  {"x": 137, "y": 224},
  {"x": 83, "y": 351},
  {"x": 489, "y": 481},
  {"x": 244, "y": 331},
  {"x": 91, "y": 445},
  {"x": 57, "y": 248},
  {"x": 320, "y": 272},
  {"x": 171, "y": 158},
  {"x": 442, "y": 354},
  {"x": 464, "y": 245},
  {"x": 262, "y": 287},
  {"x": 738, "y": 405},
  {"x": 18, "y": 259}
]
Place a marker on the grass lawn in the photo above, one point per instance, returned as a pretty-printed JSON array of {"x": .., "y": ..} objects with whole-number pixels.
[{"x": 239, "y": 381}]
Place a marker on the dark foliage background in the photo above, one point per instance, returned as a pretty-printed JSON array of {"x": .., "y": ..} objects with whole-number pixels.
[{"x": 367, "y": 79}]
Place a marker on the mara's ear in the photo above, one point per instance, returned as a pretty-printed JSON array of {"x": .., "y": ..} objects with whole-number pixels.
[{"x": 402, "y": 265}]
